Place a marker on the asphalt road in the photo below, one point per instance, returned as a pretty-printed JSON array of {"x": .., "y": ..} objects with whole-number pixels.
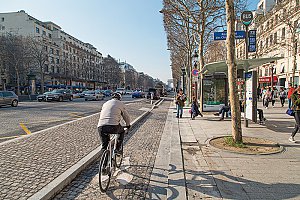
[{"x": 30, "y": 117}]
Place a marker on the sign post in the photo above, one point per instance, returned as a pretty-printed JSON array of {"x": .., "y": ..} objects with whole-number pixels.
[{"x": 246, "y": 18}]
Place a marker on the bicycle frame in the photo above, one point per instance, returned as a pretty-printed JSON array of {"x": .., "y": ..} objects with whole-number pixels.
[{"x": 113, "y": 138}]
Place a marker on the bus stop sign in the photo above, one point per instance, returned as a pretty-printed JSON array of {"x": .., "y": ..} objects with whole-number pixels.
[{"x": 247, "y": 17}]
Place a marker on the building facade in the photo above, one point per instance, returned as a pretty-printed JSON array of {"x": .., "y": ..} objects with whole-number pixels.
[
  {"x": 276, "y": 25},
  {"x": 69, "y": 62}
]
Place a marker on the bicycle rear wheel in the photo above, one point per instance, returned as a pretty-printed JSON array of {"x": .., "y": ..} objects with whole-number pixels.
[
  {"x": 119, "y": 157},
  {"x": 104, "y": 171}
]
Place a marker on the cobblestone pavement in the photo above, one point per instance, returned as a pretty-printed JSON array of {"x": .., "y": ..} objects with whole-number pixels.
[
  {"x": 141, "y": 146},
  {"x": 30, "y": 163}
]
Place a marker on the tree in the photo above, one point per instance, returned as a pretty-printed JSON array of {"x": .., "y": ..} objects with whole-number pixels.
[
  {"x": 40, "y": 55},
  {"x": 232, "y": 73},
  {"x": 15, "y": 53}
]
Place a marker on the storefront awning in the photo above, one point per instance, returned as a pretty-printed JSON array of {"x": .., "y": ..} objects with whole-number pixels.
[{"x": 246, "y": 64}]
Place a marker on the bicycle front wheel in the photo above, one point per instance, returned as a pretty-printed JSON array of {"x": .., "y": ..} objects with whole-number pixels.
[
  {"x": 119, "y": 157},
  {"x": 104, "y": 171}
]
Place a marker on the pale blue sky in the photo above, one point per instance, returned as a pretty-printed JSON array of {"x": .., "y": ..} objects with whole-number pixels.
[{"x": 129, "y": 30}]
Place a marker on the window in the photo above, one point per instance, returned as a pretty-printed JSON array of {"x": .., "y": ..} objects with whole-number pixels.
[
  {"x": 52, "y": 59},
  {"x": 2, "y": 19},
  {"x": 46, "y": 48},
  {"x": 57, "y": 61},
  {"x": 46, "y": 68},
  {"x": 275, "y": 38},
  {"x": 7, "y": 94},
  {"x": 37, "y": 30},
  {"x": 271, "y": 40},
  {"x": 51, "y": 50},
  {"x": 44, "y": 32},
  {"x": 3, "y": 28},
  {"x": 261, "y": 45},
  {"x": 50, "y": 36},
  {"x": 57, "y": 52},
  {"x": 53, "y": 69}
]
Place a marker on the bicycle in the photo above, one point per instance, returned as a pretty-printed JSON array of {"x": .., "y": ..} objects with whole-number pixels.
[{"x": 109, "y": 161}]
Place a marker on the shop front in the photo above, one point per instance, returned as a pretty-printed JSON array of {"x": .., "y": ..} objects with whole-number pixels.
[{"x": 266, "y": 81}]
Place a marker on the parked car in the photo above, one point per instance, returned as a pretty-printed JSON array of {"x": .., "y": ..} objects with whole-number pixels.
[
  {"x": 93, "y": 95},
  {"x": 82, "y": 94},
  {"x": 129, "y": 92},
  {"x": 107, "y": 93},
  {"x": 42, "y": 97},
  {"x": 60, "y": 95},
  {"x": 138, "y": 94},
  {"x": 8, "y": 98},
  {"x": 121, "y": 91},
  {"x": 76, "y": 94}
]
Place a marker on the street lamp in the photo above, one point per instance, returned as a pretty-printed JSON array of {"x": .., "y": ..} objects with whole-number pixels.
[{"x": 195, "y": 88}]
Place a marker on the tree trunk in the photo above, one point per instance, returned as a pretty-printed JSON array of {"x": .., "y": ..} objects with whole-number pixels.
[
  {"x": 18, "y": 81},
  {"x": 232, "y": 73},
  {"x": 295, "y": 46}
]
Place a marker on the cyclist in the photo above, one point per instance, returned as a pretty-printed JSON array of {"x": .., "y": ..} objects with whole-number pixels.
[{"x": 109, "y": 121}]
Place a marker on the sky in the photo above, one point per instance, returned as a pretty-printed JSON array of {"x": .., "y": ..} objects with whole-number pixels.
[{"x": 129, "y": 30}]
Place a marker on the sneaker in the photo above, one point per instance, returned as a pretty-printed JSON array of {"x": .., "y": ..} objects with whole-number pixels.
[
  {"x": 216, "y": 114},
  {"x": 177, "y": 116},
  {"x": 180, "y": 116},
  {"x": 291, "y": 139},
  {"x": 221, "y": 119}
]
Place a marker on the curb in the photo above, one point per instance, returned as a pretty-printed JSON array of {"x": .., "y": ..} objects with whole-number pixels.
[
  {"x": 65, "y": 178},
  {"x": 281, "y": 148}
]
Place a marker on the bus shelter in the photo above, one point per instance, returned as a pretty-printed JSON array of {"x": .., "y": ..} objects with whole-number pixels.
[{"x": 215, "y": 82}]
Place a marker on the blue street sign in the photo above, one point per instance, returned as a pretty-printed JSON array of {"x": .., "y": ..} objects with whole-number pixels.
[
  {"x": 252, "y": 41},
  {"x": 223, "y": 35}
]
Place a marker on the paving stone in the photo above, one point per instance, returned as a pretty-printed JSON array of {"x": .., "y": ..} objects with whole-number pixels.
[
  {"x": 141, "y": 146},
  {"x": 40, "y": 158}
]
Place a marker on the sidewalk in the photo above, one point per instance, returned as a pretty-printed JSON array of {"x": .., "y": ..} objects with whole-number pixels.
[{"x": 195, "y": 170}]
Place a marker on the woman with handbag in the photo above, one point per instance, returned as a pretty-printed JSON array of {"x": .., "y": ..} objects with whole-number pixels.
[
  {"x": 295, "y": 97},
  {"x": 268, "y": 97}
]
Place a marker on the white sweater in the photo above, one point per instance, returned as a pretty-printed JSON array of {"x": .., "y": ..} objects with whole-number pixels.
[{"x": 111, "y": 113}]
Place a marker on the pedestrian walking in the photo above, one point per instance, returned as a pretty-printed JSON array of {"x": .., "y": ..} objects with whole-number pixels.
[
  {"x": 180, "y": 99},
  {"x": 274, "y": 96},
  {"x": 195, "y": 109},
  {"x": 263, "y": 92},
  {"x": 295, "y": 97},
  {"x": 282, "y": 96},
  {"x": 290, "y": 92},
  {"x": 267, "y": 98}
]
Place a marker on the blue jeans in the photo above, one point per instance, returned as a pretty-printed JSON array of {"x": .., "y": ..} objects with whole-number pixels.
[
  {"x": 290, "y": 103},
  {"x": 179, "y": 111}
]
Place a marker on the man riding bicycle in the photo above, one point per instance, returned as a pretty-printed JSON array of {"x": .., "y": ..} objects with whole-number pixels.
[{"x": 109, "y": 121}]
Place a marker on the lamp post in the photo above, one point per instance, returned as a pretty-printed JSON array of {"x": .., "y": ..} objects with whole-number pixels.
[
  {"x": 183, "y": 81},
  {"x": 195, "y": 60}
]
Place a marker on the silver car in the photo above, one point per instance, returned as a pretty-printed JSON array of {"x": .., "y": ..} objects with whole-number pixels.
[{"x": 8, "y": 98}]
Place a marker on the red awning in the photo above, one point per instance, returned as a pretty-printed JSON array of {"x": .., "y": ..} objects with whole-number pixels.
[{"x": 267, "y": 79}]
